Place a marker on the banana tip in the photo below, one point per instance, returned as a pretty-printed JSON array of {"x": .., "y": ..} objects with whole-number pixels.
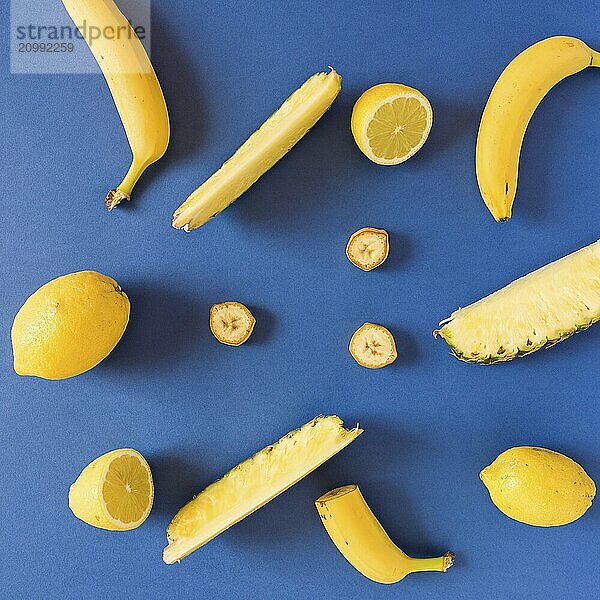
[
  {"x": 448, "y": 560},
  {"x": 115, "y": 197}
]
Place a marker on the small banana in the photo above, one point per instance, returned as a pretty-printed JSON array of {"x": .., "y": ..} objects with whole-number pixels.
[
  {"x": 356, "y": 532},
  {"x": 515, "y": 96},
  {"x": 132, "y": 82}
]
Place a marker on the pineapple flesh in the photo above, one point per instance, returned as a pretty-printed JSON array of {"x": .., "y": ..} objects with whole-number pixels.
[
  {"x": 540, "y": 309},
  {"x": 254, "y": 482}
]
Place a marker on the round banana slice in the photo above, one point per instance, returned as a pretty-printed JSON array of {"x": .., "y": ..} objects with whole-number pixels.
[
  {"x": 231, "y": 323},
  {"x": 368, "y": 248},
  {"x": 373, "y": 346}
]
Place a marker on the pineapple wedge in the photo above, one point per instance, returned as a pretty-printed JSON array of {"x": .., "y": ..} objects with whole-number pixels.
[
  {"x": 271, "y": 142},
  {"x": 540, "y": 309},
  {"x": 255, "y": 482}
]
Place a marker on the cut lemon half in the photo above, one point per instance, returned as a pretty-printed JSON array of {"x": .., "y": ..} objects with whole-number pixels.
[
  {"x": 255, "y": 482},
  {"x": 390, "y": 122},
  {"x": 271, "y": 142},
  {"x": 115, "y": 491}
]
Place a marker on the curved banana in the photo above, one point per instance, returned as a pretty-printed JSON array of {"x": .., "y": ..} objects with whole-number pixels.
[
  {"x": 515, "y": 96},
  {"x": 364, "y": 543},
  {"x": 132, "y": 82}
]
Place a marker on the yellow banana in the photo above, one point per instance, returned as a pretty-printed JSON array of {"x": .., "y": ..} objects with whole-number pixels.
[
  {"x": 515, "y": 96},
  {"x": 364, "y": 543},
  {"x": 132, "y": 82}
]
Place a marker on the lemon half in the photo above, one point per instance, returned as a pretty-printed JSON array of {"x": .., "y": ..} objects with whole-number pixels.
[
  {"x": 391, "y": 122},
  {"x": 115, "y": 491}
]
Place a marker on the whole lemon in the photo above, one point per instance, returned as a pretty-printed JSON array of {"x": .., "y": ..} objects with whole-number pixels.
[
  {"x": 69, "y": 325},
  {"x": 538, "y": 486}
]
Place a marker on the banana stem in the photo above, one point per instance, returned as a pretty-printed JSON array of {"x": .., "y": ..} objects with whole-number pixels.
[
  {"x": 124, "y": 189},
  {"x": 441, "y": 564},
  {"x": 595, "y": 62}
]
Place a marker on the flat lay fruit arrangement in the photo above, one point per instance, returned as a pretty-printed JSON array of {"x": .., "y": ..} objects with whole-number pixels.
[{"x": 71, "y": 323}]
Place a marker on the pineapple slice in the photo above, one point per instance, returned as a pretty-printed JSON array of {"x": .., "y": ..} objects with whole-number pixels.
[
  {"x": 266, "y": 146},
  {"x": 255, "y": 482},
  {"x": 540, "y": 309}
]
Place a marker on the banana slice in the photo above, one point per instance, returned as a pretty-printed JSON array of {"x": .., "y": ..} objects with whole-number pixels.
[
  {"x": 231, "y": 323},
  {"x": 373, "y": 346},
  {"x": 368, "y": 248}
]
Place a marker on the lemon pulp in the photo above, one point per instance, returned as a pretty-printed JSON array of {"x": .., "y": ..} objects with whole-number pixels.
[
  {"x": 391, "y": 122},
  {"x": 115, "y": 491},
  {"x": 126, "y": 489},
  {"x": 397, "y": 128}
]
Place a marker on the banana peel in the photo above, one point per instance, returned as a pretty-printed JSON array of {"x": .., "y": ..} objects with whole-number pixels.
[{"x": 364, "y": 543}]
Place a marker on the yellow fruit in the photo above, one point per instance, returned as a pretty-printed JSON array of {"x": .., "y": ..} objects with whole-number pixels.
[
  {"x": 132, "y": 82},
  {"x": 271, "y": 142},
  {"x": 69, "y": 325},
  {"x": 231, "y": 323},
  {"x": 114, "y": 492},
  {"x": 368, "y": 248},
  {"x": 533, "y": 312},
  {"x": 255, "y": 482},
  {"x": 538, "y": 486},
  {"x": 390, "y": 122},
  {"x": 512, "y": 102},
  {"x": 373, "y": 346},
  {"x": 363, "y": 542}
]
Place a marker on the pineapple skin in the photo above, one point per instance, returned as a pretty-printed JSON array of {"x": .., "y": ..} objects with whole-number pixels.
[
  {"x": 561, "y": 298},
  {"x": 499, "y": 358}
]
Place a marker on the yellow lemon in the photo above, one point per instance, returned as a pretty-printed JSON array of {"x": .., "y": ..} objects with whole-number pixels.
[
  {"x": 114, "y": 492},
  {"x": 538, "y": 486},
  {"x": 69, "y": 325},
  {"x": 390, "y": 122}
]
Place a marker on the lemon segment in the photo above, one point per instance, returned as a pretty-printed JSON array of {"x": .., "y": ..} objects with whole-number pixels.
[
  {"x": 368, "y": 248},
  {"x": 538, "y": 486},
  {"x": 390, "y": 122},
  {"x": 69, "y": 325},
  {"x": 114, "y": 492},
  {"x": 273, "y": 140},
  {"x": 231, "y": 323},
  {"x": 254, "y": 482},
  {"x": 373, "y": 346}
]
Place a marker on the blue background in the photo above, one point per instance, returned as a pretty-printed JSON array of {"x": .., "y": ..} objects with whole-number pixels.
[{"x": 195, "y": 408}]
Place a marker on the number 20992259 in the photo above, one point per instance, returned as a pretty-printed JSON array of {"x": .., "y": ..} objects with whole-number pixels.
[{"x": 45, "y": 47}]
